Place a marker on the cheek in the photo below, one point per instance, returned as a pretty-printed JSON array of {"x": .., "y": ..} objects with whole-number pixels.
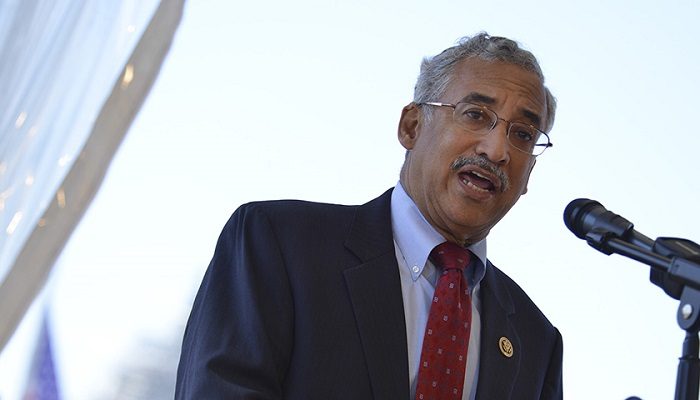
[
  {"x": 434, "y": 150},
  {"x": 452, "y": 145},
  {"x": 521, "y": 177},
  {"x": 439, "y": 148}
]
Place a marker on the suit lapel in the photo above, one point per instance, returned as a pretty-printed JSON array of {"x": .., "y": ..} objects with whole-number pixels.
[
  {"x": 497, "y": 372},
  {"x": 374, "y": 288}
]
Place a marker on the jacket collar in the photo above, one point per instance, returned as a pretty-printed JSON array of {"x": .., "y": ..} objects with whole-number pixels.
[{"x": 374, "y": 288}]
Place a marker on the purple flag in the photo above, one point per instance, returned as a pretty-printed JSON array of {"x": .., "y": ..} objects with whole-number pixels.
[{"x": 42, "y": 384}]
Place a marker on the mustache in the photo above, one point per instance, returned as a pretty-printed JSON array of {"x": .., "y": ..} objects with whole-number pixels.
[{"x": 483, "y": 163}]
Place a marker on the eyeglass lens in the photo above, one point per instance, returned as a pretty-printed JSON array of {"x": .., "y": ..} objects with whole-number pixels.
[{"x": 481, "y": 120}]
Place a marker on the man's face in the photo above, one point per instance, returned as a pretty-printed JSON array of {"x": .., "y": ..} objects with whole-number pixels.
[{"x": 464, "y": 202}]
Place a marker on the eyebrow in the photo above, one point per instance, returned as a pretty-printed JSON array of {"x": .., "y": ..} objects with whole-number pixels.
[{"x": 475, "y": 97}]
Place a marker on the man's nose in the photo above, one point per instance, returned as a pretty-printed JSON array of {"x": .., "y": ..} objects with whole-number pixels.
[{"x": 494, "y": 144}]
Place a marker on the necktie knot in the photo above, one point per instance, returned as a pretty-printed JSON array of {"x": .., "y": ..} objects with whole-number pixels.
[{"x": 448, "y": 255}]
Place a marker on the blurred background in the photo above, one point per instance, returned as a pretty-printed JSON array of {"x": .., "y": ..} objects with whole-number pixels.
[{"x": 301, "y": 99}]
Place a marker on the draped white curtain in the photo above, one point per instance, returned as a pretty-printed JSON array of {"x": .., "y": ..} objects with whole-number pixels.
[{"x": 73, "y": 74}]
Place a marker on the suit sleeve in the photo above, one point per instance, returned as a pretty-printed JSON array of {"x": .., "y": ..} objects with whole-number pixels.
[
  {"x": 552, "y": 389},
  {"x": 238, "y": 339}
]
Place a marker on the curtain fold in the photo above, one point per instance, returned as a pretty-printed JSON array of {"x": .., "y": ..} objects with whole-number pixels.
[{"x": 73, "y": 77}]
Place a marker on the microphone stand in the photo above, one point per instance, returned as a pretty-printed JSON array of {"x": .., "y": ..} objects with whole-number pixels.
[{"x": 675, "y": 267}]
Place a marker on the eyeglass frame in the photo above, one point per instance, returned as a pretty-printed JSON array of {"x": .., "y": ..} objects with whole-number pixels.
[{"x": 495, "y": 122}]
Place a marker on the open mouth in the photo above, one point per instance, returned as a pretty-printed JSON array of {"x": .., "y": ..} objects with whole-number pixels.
[
  {"x": 478, "y": 181},
  {"x": 482, "y": 177}
]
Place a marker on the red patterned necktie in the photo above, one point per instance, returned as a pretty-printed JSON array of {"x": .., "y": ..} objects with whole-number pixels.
[{"x": 446, "y": 341}]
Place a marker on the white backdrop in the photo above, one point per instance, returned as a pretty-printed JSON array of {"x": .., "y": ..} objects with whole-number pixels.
[{"x": 301, "y": 99}]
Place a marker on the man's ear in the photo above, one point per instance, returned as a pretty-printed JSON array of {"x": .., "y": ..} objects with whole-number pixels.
[{"x": 409, "y": 125}]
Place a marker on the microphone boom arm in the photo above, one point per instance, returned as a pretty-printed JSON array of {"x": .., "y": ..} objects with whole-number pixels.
[
  {"x": 675, "y": 267},
  {"x": 609, "y": 243}
]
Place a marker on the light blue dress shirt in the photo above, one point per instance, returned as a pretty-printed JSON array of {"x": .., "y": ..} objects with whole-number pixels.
[{"x": 414, "y": 239}]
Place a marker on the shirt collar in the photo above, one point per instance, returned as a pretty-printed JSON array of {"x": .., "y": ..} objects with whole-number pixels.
[{"x": 416, "y": 238}]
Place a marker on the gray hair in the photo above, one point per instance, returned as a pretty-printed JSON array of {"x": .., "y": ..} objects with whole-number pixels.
[{"x": 436, "y": 72}]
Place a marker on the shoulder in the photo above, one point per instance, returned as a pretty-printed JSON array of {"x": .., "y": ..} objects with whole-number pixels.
[
  {"x": 294, "y": 226},
  {"x": 295, "y": 222},
  {"x": 282, "y": 208},
  {"x": 297, "y": 212}
]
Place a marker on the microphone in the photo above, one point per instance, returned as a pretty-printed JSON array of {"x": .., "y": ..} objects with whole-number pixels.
[
  {"x": 610, "y": 233},
  {"x": 675, "y": 268},
  {"x": 585, "y": 217}
]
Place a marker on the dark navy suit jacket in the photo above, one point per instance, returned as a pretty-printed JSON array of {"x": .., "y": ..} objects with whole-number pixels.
[{"x": 303, "y": 301}]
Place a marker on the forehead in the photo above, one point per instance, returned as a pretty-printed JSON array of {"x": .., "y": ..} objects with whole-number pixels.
[{"x": 509, "y": 87}]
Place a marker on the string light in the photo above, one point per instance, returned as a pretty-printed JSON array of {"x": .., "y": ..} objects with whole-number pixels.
[
  {"x": 32, "y": 131},
  {"x": 63, "y": 160},
  {"x": 61, "y": 198},
  {"x": 13, "y": 223},
  {"x": 4, "y": 196},
  {"x": 20, "y": 119},
  {"x": 128, "y": 76}
]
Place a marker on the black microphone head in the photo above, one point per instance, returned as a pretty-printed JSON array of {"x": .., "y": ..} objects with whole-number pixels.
[
  {"x": 575, "y": 212},
  {"x": 582, "y": 216},
  {"x": 590, "y": 221}
]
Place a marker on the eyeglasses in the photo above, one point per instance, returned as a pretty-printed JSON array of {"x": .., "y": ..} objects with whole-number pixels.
[{"x": 481, "y": 120}]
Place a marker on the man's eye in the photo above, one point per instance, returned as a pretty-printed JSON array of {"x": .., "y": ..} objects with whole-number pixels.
[
  {"x": 524, "y": 136},
  {"x": 474, "y": 114}
]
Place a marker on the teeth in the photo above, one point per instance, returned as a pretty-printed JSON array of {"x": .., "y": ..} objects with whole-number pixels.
[
  {"x": 480, "y": 176},
  {"x": 473, "y": 186}
]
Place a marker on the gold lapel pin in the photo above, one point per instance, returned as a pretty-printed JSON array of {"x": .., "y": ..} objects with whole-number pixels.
[{"x": 506, "y": 346}]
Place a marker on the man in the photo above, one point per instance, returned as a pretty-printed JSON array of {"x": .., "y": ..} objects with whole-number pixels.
[{"x": 319, "y": 301}]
